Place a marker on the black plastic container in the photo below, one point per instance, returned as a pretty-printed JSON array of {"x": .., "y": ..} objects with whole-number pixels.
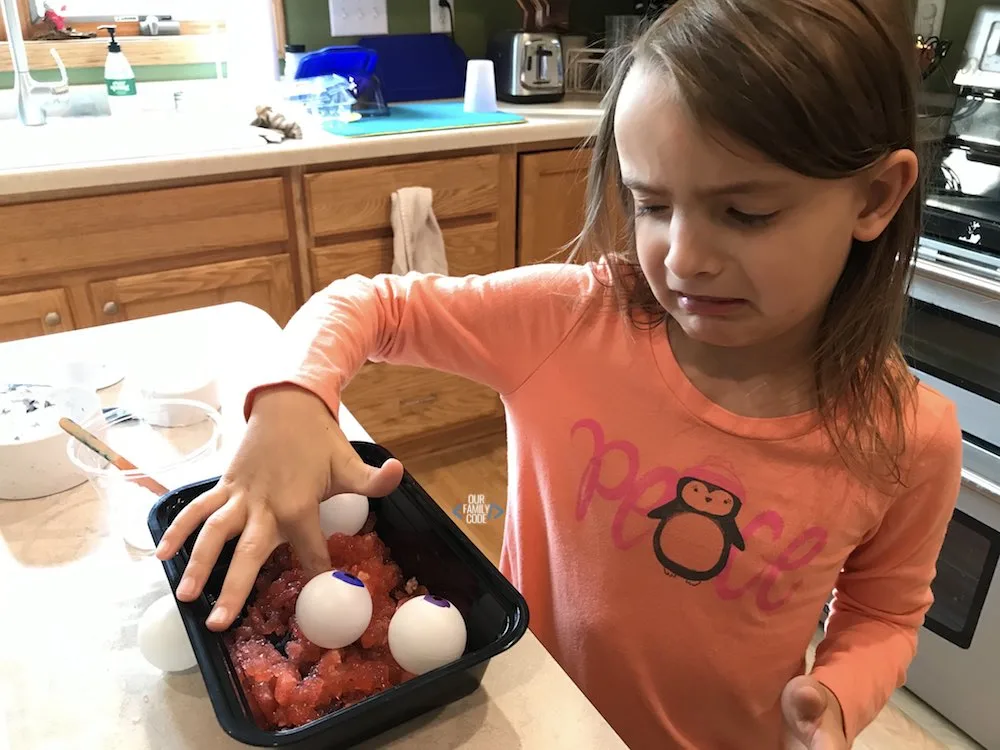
[{"x": 427, "y": 545}]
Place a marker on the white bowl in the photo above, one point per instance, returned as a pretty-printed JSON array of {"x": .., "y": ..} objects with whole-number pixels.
[
  {"x": 33, "y": 458},
  {"x": 93, "y": 375},
  {"x": 174, "y": 382}
]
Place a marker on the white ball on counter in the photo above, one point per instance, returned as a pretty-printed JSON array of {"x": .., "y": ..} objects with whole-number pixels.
[
  {"x": 425, "y": 633},
  {"x": 163, "y": 641},
  {"x": 343, "y": 514},
  {"x": 334, "y": 609}
]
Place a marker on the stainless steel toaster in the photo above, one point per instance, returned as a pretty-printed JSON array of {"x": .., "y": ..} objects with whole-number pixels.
[{"x": 529, "y": 66}]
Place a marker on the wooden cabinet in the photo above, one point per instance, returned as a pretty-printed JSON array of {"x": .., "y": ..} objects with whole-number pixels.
[
  {"x": 146, "y": 252},
  {"x": 263, "y": 282},
  {"x": 552, "y": 200},
  {"x": 397, "y": 403},
  {"x": 471, "y": 249},
  {"x": 106, "y": 230},
  {"x": 269, "y": 239},
  {"x": 350, "y": 224},
  {"x": 34, "y": 314},
  {"x": 360, "y": 200}
]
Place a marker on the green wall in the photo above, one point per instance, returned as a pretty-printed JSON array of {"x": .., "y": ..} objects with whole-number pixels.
[{"x": 308, "y": 22}]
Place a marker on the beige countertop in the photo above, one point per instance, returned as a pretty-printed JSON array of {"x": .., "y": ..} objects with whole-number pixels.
[
  {"x": 71, "y": 675},
  {"x": 210, "y": 135}
]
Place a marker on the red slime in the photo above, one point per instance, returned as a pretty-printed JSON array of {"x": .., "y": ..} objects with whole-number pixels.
[{"x": 307, "y": 682}]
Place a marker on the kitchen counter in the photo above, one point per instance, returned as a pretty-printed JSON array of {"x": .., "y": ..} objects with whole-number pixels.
[
  {"x": 71, "y": 675},
  {"x": 210, "y": 136}
]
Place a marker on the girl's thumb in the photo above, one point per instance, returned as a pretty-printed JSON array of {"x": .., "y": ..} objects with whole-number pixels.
[
  {"x": 375, "y": 481},
  {"x": 803, "y": 703}
]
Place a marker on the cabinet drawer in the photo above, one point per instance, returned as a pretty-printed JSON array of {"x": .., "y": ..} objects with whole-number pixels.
[
  {"x": 472, "y": 249},
  {"x": 34, "y": 314},
  {"x": 111, "y": 229},
  {"x": 397, "y": 403},
  {"x": 263, "y": 282},
  {"x": 354, "y": 200}
]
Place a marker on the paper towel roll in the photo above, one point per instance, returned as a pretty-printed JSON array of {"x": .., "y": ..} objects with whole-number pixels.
[{"x": 251, "y": 43}]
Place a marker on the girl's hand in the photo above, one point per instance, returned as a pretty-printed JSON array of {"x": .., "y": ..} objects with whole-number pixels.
[
  {"x": 293, "y": 456},
  {"x": 813, "y": 719}
]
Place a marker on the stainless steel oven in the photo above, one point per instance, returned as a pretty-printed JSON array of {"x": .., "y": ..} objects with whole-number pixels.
[{"x": 952, "y": 342}]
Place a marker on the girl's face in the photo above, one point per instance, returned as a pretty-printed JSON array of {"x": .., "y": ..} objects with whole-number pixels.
[{"x": 739, "y": 250}]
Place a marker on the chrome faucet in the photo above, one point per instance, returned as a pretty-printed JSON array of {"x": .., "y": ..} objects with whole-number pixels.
[{"x": 30, "y": 109}]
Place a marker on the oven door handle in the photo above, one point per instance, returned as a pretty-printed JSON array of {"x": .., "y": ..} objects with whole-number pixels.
[
  {"x": 952, "y": 277},
  {"x": 983, "y": 158},
  {"x": 973, "y": 481}
]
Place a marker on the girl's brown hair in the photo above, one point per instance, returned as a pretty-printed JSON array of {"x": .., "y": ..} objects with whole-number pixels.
[{"x": 825, "y": 88}]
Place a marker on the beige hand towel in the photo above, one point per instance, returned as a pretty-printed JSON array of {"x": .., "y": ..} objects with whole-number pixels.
[{"x": 417, "y": 242}]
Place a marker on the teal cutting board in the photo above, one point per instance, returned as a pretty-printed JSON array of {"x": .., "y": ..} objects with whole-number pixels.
[{"x": 414, "y": 118}]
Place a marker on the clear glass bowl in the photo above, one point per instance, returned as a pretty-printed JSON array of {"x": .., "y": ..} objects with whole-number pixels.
[{"x": 173, "y": 441}]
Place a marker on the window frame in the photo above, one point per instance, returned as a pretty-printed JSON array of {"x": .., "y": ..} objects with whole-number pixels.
[
  {"x": 194, "y": 45},
  {"x": 81, "y": 20}
]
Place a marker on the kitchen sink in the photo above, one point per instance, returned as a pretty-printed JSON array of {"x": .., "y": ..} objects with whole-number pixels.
[
  {"x": 97, "y": 138},
  {"x": 80, "y": 127},
  {"x": 78, "y": 102}
]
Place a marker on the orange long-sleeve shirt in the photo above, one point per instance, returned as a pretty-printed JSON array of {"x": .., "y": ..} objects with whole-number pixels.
[{"x": 675, "y": 556}]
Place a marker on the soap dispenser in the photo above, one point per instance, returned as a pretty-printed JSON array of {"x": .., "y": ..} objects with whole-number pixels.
[{"x": 119, "y": 77}]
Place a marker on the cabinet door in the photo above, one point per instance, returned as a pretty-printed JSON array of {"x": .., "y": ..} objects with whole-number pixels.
[
  {"x": 396, "y": 403},
  {"x": 552, "y": 201},
  {"x": 262, "y": 282},
  {"x": 34, "y": 314}
]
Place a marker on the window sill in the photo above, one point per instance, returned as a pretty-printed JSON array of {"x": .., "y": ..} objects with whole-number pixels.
[{"x": 91, "y": 53}]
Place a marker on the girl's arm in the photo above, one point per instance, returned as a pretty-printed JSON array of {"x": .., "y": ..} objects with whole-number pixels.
[
  {"x": 494, "y": 329},
  {"x": 884, "y": 590}
]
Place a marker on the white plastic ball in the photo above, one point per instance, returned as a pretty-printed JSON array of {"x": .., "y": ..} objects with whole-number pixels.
[
  {"x": 343, "y": 514},
  {"x": 334, "y": 609},
  {"x": 425, "y": 633},
  {"x": 163, "y": 641}
]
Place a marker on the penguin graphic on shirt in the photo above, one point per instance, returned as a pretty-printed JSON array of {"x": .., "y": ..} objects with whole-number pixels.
[{"x": 698, "y": 528}]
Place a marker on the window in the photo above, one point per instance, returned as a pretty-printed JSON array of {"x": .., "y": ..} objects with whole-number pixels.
[
  {"x": 107, "y": 10},
  {"x": 200, "y": 21}
]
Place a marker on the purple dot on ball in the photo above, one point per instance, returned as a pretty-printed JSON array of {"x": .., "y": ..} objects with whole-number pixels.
[
  {"x": 347, "y": 578},
  {"x": 437, "y": 600}
]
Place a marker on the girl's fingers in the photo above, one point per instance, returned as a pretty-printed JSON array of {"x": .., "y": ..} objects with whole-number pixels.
[
  {"x": 303, "y": 532},
  {"x": 184, "y": 525},
  {"x": 258, "y": 540},
  {"x": 224, "y": 524}
]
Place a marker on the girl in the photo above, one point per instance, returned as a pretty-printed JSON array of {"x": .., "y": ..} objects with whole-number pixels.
[{"x": 711, "y": 426}]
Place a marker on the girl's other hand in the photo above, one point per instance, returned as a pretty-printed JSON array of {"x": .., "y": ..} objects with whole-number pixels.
[
  {"x": 293, "y": 456},
  {"x": 813, "y": 719}
]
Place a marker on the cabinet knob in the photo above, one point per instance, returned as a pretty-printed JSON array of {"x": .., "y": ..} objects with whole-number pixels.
[
  {"x": 53, "y": 319},
  {"x": 111, "y": 308}
]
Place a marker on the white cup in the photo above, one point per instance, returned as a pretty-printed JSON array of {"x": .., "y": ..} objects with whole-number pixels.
[
  {"x": 82, "y": 373},
  {"x": 480, "y": 87}
]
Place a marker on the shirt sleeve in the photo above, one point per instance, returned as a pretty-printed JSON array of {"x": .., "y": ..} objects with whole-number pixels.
[
  {"x": 883, "y": 593},
  {"x": 494, "y": 329}
]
